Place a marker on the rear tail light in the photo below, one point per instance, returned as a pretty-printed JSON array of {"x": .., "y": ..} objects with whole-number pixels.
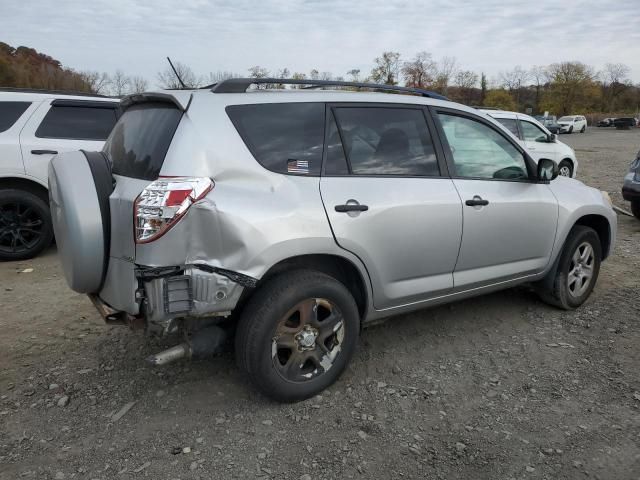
[{"x": 164, "y": 202}]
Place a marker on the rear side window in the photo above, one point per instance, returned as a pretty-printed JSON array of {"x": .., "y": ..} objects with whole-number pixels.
[
  {"x": 511, "y": 125},
  {"x": 140, "y": 140},
  {"x": 283, "y": 137},
  {"x": 387, "y": 141},
  {"x": 77, "y": 123},
  {"x": 10, "y": 112}
]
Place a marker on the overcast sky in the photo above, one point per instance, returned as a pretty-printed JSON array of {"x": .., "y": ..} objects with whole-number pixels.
[{"x": 328, "y": 35}]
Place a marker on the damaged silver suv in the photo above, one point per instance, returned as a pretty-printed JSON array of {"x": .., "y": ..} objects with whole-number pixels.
[{"x": 288, "y": 218}]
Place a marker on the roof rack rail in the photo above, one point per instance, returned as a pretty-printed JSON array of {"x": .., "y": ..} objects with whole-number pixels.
[
  {"x": 240, "y": 85},
  {"x": 54, "y": 92}
]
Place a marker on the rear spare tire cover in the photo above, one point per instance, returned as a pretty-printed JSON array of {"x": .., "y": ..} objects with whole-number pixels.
[{"x": 79, "y": 187}]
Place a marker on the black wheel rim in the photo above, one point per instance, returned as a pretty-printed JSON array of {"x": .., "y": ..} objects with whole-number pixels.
[
  {"x": 307, "y": 340},
  {"x": 21, "y": 227}
]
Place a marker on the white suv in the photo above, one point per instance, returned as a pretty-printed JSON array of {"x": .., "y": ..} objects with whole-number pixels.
[
  {"x": 35, "y": 125},
  {"x": 573, "y": 123},
  {"x": 538, "y": 140}
]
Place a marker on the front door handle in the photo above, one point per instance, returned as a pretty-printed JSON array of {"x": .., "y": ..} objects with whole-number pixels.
[
  {"x": 351, "y": 207},
  {"x": 44, "y": 152},
  {"x": 477, "y": 201}
]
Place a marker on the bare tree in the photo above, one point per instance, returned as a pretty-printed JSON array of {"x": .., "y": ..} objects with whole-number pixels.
[
  {"x": 446, "y": 70},
  {"x": 387, "y": 68},
  {"x": 168, "y": 79},
  {"x": 354, "y": 73},
  {"x": 120, "y": 83},
  {"x": 138, "y": 84},
  {"x": 514, "y": 80},
  {"x": 259, "y": 72},
  {"x": 465, "y": 81},
  {"x": 314, "y": 74},
  {"x": 419, "y": 72},
  {"x": 615, "y": 80},
  {"x": 98, "y": 82},
  {"x": 215, "y": 77},
  {"x": 539, "y": 75},
  {"x": 326, "y": 76}
]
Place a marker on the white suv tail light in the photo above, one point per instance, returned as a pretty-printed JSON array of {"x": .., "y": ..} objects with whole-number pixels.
[{"x": 164, "y": 202}]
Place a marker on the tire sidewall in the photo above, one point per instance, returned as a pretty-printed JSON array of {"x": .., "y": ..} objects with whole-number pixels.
[
  {"x": 577, "y": 237},
  {"x": 291, "y": 289},
  {"x": 41, "y": 207},
  {"x": 635, "y": 208}
]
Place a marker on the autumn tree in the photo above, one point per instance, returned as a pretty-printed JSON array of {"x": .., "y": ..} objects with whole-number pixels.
[
  {"x": 614, "y": 81},
  {"x": 465, "y": 82},
  {"x": 571, "y": 88},
  {"x": 483, "y": 88},
  {"x": 500, "y": 99},
  {"x": 420, "y": 71},
  {"x": 386, "y": 68}
]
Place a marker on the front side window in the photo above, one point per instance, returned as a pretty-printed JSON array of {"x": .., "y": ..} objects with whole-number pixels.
[
  {"x": 283, "y": 137},
  {"x": 480, "y": 152},
  {"x": 532, "y": 132},
  {"x": 77, "y": 123},
  {"x": 387, "y": 141},
  {"x": 511, "y": 125},
  {"x": 10, "y": 112}
]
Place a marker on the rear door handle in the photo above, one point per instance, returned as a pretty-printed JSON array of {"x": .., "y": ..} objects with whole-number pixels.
[
  {"x": 44, "y": 152},
  {"x": 477, "y": 202},
  {"x": 351, "y": 207}
]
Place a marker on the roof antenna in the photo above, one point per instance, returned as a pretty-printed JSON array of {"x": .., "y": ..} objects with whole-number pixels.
[{"x": 176, "y": 73}]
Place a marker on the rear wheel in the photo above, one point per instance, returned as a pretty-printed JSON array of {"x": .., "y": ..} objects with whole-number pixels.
[
  {"x": 635, "y": 208},
  {"x": 583, "y": 129},
  {"x": 577, "y": 270},
  {"x": 565, "y": 168},
  {"x": 297, "y": 334},
  {"x": 571, "y": 129},
  {"x": 25, "y": 225}
]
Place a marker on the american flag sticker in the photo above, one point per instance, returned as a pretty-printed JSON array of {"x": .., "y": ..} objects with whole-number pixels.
[{"x": 297, "y": 166}]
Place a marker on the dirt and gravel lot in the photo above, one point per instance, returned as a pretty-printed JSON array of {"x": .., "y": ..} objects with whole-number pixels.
[{"x": 497, "y": 387}]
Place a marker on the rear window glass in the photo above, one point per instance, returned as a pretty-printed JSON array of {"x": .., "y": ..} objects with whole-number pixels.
[
  {"x": 10, "y": 112},
  {"x": 283, "y": 137},
  {"x": 77, "y": 123},
  {"x": 140, "y": 140}
]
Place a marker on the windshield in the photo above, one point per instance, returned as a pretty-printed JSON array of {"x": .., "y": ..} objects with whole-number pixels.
[{"x": 566, "y": 119}]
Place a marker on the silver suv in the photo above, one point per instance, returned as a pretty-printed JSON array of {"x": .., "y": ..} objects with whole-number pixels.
[{"x": 287, "y": 219}]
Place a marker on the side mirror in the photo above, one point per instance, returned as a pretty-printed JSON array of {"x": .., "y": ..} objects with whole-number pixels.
[
  {"x": 547, "y": 170},
  {"x": 551, "y": 138}
]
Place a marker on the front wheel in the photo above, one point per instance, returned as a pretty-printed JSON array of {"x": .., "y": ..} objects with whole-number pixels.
[
  {"x": 577, "y": 270},
  {"x": 583, "y": 129},
  {"x": 571, "y": 129},
  {"x": 565, "y": 168},
  {"x": 297, "y": 334},
  {"x": 635, "y": 208},
  {"x": 25, "y": 225}
]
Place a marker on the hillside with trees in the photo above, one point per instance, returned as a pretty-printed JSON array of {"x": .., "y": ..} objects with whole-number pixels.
[{"x": 560, "y": 88}]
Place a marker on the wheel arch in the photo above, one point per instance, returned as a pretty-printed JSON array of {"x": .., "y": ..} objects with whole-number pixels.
[
  {"x": 20, "y": 183},
  {"x": 338, "y": 267},
  {"x": 602, "y": 227}
]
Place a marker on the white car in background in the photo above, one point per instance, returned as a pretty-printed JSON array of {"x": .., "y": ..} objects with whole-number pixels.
[
  {"x": 36, "y": 125},
  {"x": 538, "y": 140},
  {"x": 572, "y": 123}
]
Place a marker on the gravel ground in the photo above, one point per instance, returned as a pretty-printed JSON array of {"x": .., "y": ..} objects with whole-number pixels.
[{"x": 500, "y": 387}]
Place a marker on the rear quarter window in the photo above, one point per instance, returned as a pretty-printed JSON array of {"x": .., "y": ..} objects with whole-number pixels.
[
  {"x": 10, "y": 112},
  {"x": 77, "y": 123},
  {"x": 283, "y": 137},
  {"x": 139, "y": 142}
]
